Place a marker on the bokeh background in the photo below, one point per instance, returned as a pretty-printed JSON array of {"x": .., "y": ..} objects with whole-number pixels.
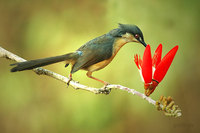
[{"x": 36, "y": 104}]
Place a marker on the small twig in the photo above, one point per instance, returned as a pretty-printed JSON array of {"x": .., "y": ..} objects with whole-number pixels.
[{"x": 104, "y": 90}]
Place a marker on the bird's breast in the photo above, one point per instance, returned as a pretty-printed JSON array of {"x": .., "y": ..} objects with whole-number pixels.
[
  {"x": 98, "y": 65},
  {"x": 118, "y": 43}
]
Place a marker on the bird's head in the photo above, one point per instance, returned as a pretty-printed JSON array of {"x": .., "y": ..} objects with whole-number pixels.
[{"x": 131, "y": 33}]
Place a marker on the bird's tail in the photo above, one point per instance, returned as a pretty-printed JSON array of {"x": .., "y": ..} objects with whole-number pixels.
[{"x": 27, "y": 65}]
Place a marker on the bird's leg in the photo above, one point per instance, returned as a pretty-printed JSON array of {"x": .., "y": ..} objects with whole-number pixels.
[
  {"x": 104, "y": 90},
  {"x": 89, "y": 74},
  {"x": 70, "y": 78}
]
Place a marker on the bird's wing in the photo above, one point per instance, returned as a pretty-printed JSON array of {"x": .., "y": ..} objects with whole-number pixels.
[{"x": 93, "y": 52}]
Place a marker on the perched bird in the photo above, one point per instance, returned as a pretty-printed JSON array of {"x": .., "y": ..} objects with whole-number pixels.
[{"x": 93, "y": 55}]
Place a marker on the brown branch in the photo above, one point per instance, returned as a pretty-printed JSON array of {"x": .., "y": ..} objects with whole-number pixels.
[{"x": 104, "y": 90}]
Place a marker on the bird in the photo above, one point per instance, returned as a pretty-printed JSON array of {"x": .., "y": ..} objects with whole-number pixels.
[{"x": 93, "y": 55}]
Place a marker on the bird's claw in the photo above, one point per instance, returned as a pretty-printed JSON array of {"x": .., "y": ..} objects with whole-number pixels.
[{"x": 68, "y": 82}]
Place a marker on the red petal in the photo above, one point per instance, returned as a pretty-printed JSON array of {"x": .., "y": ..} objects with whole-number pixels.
[
  {"x": 157, "y": 56},
  {"x": 164, "y": 65},
  {"x": 147, "y": 65},
  {"x": 136, "y": 60},
  {"x": 140, "y": 61}
]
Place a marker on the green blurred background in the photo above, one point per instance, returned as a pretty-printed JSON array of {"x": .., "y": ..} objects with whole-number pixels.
[{"x": 36, "y": 104}]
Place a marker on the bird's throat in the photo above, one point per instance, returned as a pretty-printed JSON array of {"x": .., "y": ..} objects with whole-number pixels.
[{"x": 118, "y": 44}]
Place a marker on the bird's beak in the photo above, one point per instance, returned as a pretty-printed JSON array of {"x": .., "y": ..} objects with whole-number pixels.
[{"x": 143, "y": 43}]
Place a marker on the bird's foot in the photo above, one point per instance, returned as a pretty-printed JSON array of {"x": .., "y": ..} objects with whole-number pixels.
[
  {"x": 105, "y": 85},
  {"x": 70, "y": 79},
  {"x": 68, "y": 82}
]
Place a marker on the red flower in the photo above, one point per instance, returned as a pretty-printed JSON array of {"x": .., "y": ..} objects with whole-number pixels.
[{"x": 153, "y": 70}]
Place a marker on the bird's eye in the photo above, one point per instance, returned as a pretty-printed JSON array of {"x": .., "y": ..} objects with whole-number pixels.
[{"x": 137, "y": 36}]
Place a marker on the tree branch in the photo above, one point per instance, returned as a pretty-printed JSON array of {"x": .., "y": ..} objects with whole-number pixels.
[{"x": 170, "y": 111}]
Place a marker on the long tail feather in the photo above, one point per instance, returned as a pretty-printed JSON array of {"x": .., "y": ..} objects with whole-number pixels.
[{"x": 27, "y": 65}]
